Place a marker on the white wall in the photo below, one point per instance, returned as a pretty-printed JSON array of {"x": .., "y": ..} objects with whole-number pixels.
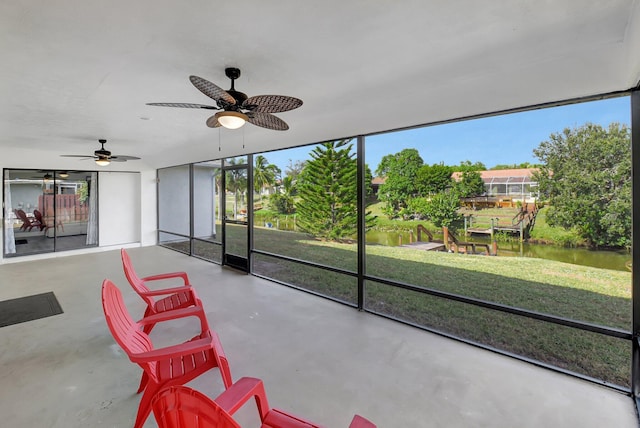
[
  {"x": 148, "y": 208},
  {"x": 119, "y": 208},
  {"x": 173, "y": 194},
  {"x": 204, "y": 200}
]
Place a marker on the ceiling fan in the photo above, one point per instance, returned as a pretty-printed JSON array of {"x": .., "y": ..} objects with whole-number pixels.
[
  {"x": 43, "y": 176},
  {"x": 103, "y": 157},
  {"x": 237, "y": 108}
]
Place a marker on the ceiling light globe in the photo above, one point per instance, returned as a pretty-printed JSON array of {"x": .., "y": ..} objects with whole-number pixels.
[
  {"x": 102, "y": 162},
  {"x": 231, "y": 119}
]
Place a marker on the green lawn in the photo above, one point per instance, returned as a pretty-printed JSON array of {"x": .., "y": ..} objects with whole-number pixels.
[{"x": 582, "y": 293}]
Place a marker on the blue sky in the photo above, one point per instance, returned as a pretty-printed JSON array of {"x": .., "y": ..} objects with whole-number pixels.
[{"x": 505, "y": 139}]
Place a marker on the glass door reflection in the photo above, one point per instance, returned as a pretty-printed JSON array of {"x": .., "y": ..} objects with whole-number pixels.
[
  {"x": 235, "y": 220},
  {"x": 48, "y": 210}
]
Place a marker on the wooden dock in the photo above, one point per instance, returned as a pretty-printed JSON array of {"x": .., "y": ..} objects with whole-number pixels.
[
  {"x": 426, "y": 246},
  {"x": 481, "y": 231}
]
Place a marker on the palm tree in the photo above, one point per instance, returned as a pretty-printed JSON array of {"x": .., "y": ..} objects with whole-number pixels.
[
  {"x": 288, "y": 189},
  {"x": 264, "y": 175},
  {"x": 236, "y": 179}
]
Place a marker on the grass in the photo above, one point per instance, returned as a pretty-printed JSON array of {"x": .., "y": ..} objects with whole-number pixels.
[
  {"x": 598, "y": 296},
  {"x": 542, "y": 233},
  {"x": 582, "y": 293}
]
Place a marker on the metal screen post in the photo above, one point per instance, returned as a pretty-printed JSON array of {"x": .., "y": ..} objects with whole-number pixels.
[
  {"x": 362, "y": 207},
  {"x": 635, "y": 259}
]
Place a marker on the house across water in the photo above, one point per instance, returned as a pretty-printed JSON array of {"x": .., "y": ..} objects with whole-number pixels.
[{"x": 502, "y": 186}]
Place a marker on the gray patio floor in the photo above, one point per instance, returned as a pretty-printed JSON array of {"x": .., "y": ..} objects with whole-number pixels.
[{"x": 317, "y": 358}]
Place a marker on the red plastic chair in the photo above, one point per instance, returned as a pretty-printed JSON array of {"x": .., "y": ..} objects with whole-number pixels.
[
  {"x": 173, "y": 365},
  {"x": 178, "y": 297},
  {"x": 183, "y": 407}
]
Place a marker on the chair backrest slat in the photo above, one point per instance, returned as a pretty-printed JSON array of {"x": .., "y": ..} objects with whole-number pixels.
[
  {"x": 125, "y": 331},
  {"x": 136, "y": 282}
]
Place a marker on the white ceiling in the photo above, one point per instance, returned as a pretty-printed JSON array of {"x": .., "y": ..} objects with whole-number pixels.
[{"x": 72, "y": 71}]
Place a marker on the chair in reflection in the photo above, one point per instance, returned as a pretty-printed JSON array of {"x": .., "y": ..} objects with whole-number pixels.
[
  {"x": 43, "y": 224},
  {"x": 27, "y": 223}
]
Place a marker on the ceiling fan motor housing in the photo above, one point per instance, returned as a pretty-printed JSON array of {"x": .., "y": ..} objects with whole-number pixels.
[{"x": 102, "y": 153}]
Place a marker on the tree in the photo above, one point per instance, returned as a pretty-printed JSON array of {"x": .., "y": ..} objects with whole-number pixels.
[
  {"x": 468, "y": 166},
  {"x": 282, "y": 201},
  {"x": 434, "y": 179},
  {"x": 264, "y": 174},
  {"x": 441, "y": 209},
  {"x": 587, "y": 179},
  {"x": 236, "y": 179},
  {"x": 515, "y": 166},
  {"x": 294, "y": 169},
  {"x": 470, "y": 184},
  {"x": 400, "y": 171},
  {"x": 328, "y": 194}
]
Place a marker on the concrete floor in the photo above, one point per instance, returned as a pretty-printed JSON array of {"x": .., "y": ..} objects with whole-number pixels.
[{"x": 317, "y": 358}]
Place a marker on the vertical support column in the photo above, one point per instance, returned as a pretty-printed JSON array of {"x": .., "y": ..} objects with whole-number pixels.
[
  {"x": 250, "y": 191},
  {"x": 223, "y": 209},
  {"x": 191, "y": 213},
  {"x": 635, "y": 258},
  {"x": 522, "y": 230},
  {"x": 362, "y": 209},
  {"x": 492, "y": 228}
]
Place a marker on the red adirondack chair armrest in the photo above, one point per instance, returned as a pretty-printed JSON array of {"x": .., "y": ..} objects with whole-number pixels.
[
  {"x": 193, "y": 311},
  {"x": 186, "y": 348},
  {"x": 169, "y": 275},
  {"x": 360, "y": 422},
  {"x": 221, "y": 359},
  {"x": 167, "y": 291},
  {"x": 240, "y": 392},
  {"x": 277, "y": 417}
]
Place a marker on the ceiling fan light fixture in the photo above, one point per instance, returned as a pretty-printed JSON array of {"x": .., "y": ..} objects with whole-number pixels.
[
  {"x": 231, "y": 119},
  {"x": 63, "y": 175},
  {"x": 103, "y": 161}
]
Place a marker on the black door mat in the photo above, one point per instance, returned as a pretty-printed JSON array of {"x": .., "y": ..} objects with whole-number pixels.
[
  {"x": 28, "y": 308},
  {"x": 21, "y": 241}
]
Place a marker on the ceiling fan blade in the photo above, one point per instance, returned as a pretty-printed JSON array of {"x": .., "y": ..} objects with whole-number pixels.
[
  {"x": 123, "y": 158},
  {"x": 212, "y": 122},
  {"x": 211, "y": 90},
  {"x": 271, "y": 103},
  {"x": 184, "y": 105},
  {"x": 77, "y": 156},
  {"x": 267, "y": 120}
]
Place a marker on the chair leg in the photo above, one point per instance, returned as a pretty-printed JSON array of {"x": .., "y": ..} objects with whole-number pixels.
[
  {"x": 145, "y": 405},
  {"x": 147, "y": 328},
  {"x": 144, "y": 380}
]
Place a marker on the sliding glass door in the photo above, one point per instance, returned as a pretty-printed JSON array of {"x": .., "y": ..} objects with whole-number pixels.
[{"x": 48, "y": 210}]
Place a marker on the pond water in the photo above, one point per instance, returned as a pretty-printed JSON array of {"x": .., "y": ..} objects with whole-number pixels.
[{"x": 615, "y": 260}]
